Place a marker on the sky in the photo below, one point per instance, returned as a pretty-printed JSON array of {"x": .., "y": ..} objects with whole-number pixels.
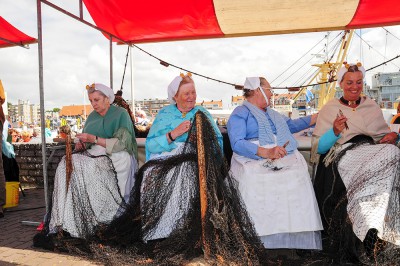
[{"x": 75, "y": 55}]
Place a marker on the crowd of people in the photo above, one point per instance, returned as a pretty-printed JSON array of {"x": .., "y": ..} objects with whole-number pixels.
[{"x": 351, "y": 211}]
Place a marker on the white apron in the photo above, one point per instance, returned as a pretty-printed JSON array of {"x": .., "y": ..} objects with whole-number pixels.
[
  {"x": 281, "y": 201},
  {"x": 369, "y": 199},
  {"x": 98, "y": 182}
]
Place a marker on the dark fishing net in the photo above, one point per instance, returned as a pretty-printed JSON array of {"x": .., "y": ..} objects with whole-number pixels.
[
  {"x": 361, "y": 216},
  {"x": 90, "y": 198},
  {"x": 140, "y": 131},
  {"x": 166, "y": 223}
]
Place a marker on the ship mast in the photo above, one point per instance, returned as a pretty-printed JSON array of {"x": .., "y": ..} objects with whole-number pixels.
[{"x": 327, "y": 72}]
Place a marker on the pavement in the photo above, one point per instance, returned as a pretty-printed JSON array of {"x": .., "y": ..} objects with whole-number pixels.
[
  {"x": 19, "y": 226},
  {"x": 16, "y": 246}
]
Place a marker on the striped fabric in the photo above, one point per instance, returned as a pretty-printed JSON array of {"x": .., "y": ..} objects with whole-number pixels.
[
  {"x": 265, "y": 131},
  {"x": 154, "y": 21}
]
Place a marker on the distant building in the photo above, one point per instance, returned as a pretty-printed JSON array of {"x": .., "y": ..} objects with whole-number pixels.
[
  {"x": 211, "y": 105},
  {"x": 237, "y": 100},
  {"x": 151, "y": 106},
  {"x": 25, "y": 113},
  {"x": 284, "y": 98},
  {"x": 75, "y": 111},
  {"x": 385, "y": 89}
]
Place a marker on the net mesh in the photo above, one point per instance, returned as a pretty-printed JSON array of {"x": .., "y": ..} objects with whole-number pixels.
[
  {"x": 359, "y": 200},
  {"x": 165, "y": 210}
]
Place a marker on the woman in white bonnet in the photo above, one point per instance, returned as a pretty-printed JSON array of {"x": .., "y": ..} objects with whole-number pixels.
[
  {"x": 358, "y": 174},
  {"x": 103, "y": 168},
  {"x": 170, "y": 127},
  {"x": 272, "y": 175},
  {"x": 167, "y": 137}
]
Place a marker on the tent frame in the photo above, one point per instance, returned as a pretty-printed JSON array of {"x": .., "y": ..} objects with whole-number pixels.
[
  {"x": 41, "y": 82},
  {"x": 15, "y": 43}
]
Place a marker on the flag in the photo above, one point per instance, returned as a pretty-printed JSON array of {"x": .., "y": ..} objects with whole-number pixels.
[{"x": 309, "y": 95}]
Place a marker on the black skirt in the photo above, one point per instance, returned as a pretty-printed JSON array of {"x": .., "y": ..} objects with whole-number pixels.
[{"x": 11, "y": 169}]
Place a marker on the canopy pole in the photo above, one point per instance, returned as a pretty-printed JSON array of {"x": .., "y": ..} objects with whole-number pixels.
[
  {"x": 132, "y": 81},
  {"x": 80, "y": 9},
  {"x": 15, "y": 43},
  {"x": 41, "y": 93},
  {"x": 111, "y": 63}
]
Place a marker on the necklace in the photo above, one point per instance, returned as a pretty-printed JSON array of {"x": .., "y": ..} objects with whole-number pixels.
[
  {"x": 350, "y": 103},
  {"x": 343, "y": 100},
  {"x": 182, "y": 112}
]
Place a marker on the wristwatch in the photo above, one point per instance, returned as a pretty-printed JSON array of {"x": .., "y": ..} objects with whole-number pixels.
[{"x": 95, "y": 140}]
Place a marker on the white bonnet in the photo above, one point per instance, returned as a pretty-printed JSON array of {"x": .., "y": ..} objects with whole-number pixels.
[
  {"x": 344, "y": 70},
  {"x": 174, "y": 86},
  {"x": 104, "y": 89},
  {"x": 252, "y": 83}
]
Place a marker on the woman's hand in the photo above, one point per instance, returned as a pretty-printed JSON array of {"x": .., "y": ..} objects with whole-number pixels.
[
  {"x": 339, "y": 124},
  {"x": 389, "y": 138},
  {"x": 276, "y": 152},
  {"x": 313, "y": 120},
  {"x": 79, "y": 146},
  {"x": 86, "y": 137},
  {"x": 181, "y": 129}
]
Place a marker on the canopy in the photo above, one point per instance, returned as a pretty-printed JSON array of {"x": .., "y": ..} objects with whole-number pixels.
[
  {"x": 154, "y": 21},
  {"x": 11, "y": 36}
]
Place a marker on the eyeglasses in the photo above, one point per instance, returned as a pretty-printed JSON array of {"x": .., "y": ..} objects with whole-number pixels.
[{"x": 270, "y": 89}]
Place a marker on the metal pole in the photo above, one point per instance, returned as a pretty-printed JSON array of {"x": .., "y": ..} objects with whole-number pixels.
[
  {"x": 42, "y": 110},
  {"x": 80, "y": 9},
  {"x": 111, "y": 63},
  {"x": 15, "y": 43},
  {"x": 132, "y": 81}
]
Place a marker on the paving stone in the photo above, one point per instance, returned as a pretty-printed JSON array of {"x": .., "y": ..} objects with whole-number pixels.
[{"x": 16, "y": 239}]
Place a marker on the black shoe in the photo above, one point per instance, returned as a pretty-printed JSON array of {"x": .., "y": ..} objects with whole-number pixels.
[
  {"x": 1, "y": 212},
  {"x": 304, "y": 253},
  {"x": 41, "y": 240}
]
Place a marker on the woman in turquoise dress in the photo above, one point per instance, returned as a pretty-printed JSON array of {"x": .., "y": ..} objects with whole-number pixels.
[{"x": 167, "y": 137}]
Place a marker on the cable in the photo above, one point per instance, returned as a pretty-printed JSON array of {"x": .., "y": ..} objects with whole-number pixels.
[
  {"x": 374, "y": 49},
  {"x": 298, "y": 59},
  {"x": 383, "y": 63},
  {"x": 391, "y": 33},
  {"x": 126, "y": 61},
  {"x": 333, "y": 48},
  {"x": 333, "y": 80},
  {"x": 166, "y": 64}
]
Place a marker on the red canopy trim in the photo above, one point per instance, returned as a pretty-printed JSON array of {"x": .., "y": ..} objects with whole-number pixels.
[
  {"x": 376, "y": 13},
  {"x": 11, "y": 36},
  {"x": 140, "y": 21},
  {"x": 145, "y": 21}
]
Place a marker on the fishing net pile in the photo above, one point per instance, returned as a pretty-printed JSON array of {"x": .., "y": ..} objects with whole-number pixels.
[
  {"x": 182, "y": 207},
  {"x": 360, "y": 207}
]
